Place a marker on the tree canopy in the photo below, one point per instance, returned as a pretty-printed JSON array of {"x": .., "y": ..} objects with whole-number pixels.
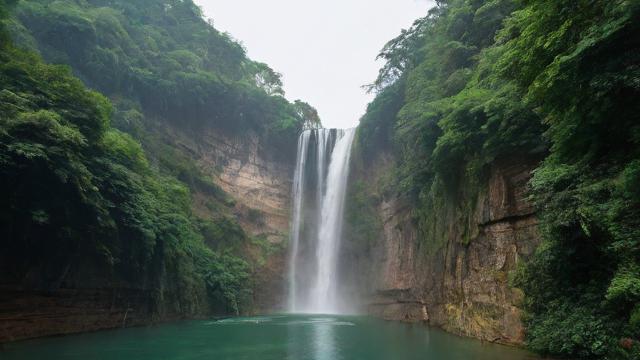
[{"x": 164, "y": 56}]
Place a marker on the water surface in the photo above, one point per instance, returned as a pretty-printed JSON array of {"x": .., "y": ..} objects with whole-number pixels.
[{"x": 295, "y": 337}]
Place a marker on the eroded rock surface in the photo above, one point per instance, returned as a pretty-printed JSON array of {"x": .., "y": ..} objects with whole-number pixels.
[
  {"x": 257, "y": 182},
  {"x": 455, "y": 274}
]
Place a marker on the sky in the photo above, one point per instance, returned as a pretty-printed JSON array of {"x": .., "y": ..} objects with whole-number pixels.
[{"x": 325, "y": 50}]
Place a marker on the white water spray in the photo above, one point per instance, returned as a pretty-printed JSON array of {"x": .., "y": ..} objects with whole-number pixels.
[
  {"x": 298, "y": 188},
  {"x": 317, "y": 220}
]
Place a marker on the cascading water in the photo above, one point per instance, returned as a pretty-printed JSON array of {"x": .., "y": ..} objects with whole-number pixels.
[
  {"x": 319, "y": 190},
  {"x": 298, "y": 190}
]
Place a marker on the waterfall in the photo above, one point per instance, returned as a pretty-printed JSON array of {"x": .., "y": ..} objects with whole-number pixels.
[
  {"x": 298, "y": 189},
  {"x": 319, "y": 189}
]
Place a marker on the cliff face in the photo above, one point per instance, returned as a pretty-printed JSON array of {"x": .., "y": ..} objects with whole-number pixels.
[
  {"x": 30, "y": 314},
  {"x": 452, "y": 271},
  {"x": 256, "y": 178},
  {"x": 258, "y": 181},
  {"x": 257, "y": 184}
]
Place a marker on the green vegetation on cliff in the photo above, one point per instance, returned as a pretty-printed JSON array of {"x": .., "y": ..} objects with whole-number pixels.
[
  {"x": 553, "y": 80},
  {"x": 92, "y": 194}
]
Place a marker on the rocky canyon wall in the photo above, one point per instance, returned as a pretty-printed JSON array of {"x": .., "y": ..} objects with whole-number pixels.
[
  {"x": 256, "y": 181},
  {"x": 449, "y": 268}
]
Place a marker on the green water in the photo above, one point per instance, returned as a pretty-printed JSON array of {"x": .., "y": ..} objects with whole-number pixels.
[{"x": 295, "y": 337}]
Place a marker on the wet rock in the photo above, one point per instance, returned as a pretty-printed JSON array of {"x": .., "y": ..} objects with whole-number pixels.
[{"x": 455, "y": 274}]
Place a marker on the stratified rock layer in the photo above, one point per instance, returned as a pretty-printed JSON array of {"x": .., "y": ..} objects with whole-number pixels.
[
  {"x": 454, "y": 272},
  {"x": 258, "y": 179}
]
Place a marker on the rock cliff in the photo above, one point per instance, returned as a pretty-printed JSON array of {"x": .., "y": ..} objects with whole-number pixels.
[
  {"x": 451, "y": 270},
  {"x": 257, "y": 182},
  {"x": 258, "y": 179}
]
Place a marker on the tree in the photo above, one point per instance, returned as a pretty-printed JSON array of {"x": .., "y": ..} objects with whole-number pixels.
[
  {"x": 268, "y": 80},
  {"x": 308, "y": 114}
]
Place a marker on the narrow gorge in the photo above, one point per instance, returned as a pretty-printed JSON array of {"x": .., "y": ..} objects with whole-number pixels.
[{"x": 162, "y": 196}]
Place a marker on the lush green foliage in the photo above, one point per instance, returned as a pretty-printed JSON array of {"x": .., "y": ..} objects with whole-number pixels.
[
  {"x": 590, "y": 216},
  {"x": 362, "y": 221},
  {"x": 163, "y": 55},
  {"x": 557, "y": 80},
  {"x": 82, "y": 204}
]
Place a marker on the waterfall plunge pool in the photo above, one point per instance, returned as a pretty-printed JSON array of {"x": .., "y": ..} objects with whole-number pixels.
[{"x": 278, "y": 337}]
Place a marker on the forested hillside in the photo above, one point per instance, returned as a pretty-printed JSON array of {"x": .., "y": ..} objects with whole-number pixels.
[
  {"x": 555, "y": 82},
  {"x": 94, "y": 195},
  {"x": 161, "y": 57}
]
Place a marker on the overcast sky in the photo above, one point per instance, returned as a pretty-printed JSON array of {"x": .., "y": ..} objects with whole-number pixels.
[{"x": 325, "y": 50}]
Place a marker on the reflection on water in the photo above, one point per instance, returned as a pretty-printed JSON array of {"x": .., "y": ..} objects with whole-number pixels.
[
  {"x": 292, "y": 337},
  {"x": 295, "y": 345},
  {"x": 323, "y": 342}
]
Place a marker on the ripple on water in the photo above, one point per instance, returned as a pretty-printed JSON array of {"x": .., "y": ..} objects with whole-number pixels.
[
  {"x": 241, "y": 321},
  {"x": 278, "y": 320}
]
